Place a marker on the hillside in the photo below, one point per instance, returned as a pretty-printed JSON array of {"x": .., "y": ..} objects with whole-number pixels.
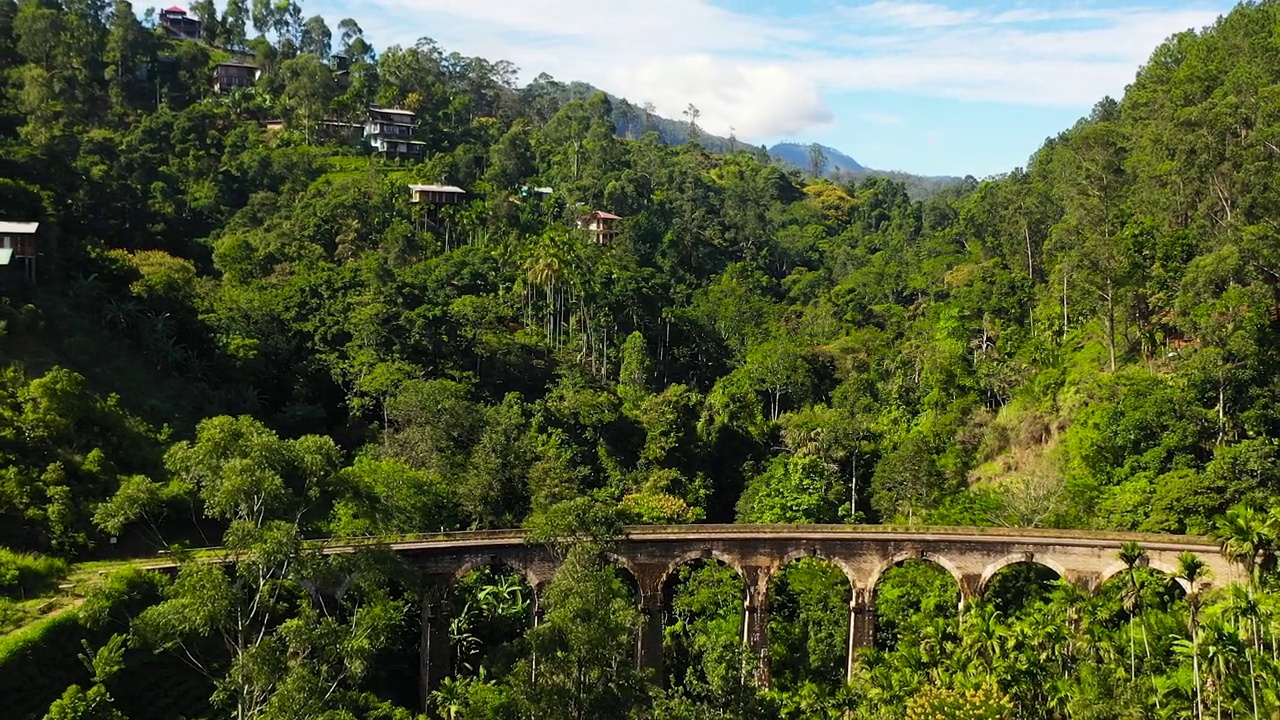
[
  {"x": 246, "y": 330},
  {"x": 802, "y": 156}
]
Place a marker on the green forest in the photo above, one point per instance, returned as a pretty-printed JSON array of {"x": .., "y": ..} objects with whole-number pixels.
[{"x": 244, "y": 334}]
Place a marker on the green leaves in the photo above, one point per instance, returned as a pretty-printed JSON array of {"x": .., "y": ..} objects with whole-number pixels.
[
  {"x": 244, "y": 472},
  {"x": 796, "y": 489}
]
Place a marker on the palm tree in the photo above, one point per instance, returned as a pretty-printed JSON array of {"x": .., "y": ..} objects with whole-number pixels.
[
  {"x": 1131, "y": 554},
  {"x": 1221, "y": 647},
  {"x": 1192, "y": 569},
  {"x": 984, "y": 635},
  {"x": 1242, "y": 607},
  {"x": 1245, "y": 539}
]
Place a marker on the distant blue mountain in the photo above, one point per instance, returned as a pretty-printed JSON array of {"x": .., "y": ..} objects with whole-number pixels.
[
  {"x": 798, "y": 155},
  {"x": 842, "y": 168}
]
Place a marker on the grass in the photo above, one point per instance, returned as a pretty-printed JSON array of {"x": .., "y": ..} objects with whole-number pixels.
[
  {"x": 18, "y": 614},
  {"x": 31, "y": 588},
  {"x": 24, "y": 575}
]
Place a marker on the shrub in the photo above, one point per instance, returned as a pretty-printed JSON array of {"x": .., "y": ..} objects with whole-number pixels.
[
  {"x": 985, "y": 703},
  {"x": 25, "y": 575}
]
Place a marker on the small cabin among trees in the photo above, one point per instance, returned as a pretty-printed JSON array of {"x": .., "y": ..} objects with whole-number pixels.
[
  {"x": 436, "y": 194},
  {"x": 341, "y": 65},
  {"x": 541, "y": 194},
  {"x": 389, "y": 131},
  {"x": 600, "y": 224},
  {"x": 18, "y": 248},
  {"x": 179, "y": 25},
  {"x": 228, "y": 76}
]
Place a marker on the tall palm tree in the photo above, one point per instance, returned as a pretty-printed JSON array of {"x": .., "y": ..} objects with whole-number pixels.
[
  {"x": 1193, "y": 570},
  {"x": 1242, "y": 610},
  {"x": 1131, "y": 554}
]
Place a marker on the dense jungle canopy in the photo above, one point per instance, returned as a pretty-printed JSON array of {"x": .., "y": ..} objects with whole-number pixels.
[{"x": 247, "y": 337}]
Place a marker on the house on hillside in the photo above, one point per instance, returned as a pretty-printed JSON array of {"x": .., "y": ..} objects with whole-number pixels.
[
  {"x": 18, "y": 249},
  {"x": 228, "y": 76},
  {"x": 341, "y": 65},
  {"x": 436, "y": 194},
  {"x": 389, "y": 131},
  {"x": 541, "y": 194},
  {"x": 178, "y": 25},
  {"x": 431, "y": 200},
  {"x": 600, "y": 225}
]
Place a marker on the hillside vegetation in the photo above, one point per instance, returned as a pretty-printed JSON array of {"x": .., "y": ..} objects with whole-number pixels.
[{"x": 245, "y": 337}]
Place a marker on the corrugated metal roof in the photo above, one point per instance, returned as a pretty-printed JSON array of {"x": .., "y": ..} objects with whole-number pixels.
[
  {"x": 19, "y": 228},
  {"x": 397, "y": 111},
  {"x": 601, "y": 215},
  {"x": 436, "y": 188},
  {"x": 176, "y": 9}
]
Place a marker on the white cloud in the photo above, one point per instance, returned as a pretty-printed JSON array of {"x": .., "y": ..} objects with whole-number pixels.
[
  {"x": 909, "y": 14},
  {"x": 766, "y": 76},
  {"x": 751, "y": 99},
  {"x": 993, "y": 60}
]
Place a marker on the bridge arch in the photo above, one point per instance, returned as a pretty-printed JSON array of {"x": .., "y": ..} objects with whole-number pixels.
[
  {"x": 703, "y": 554},
  {"x": 1164, "y": 568},
  {"x": 516, "y": 565},
  {"x": 901, "y": 557},
  {"x": 836, "y": 560},
  {"x": 1012, "y": 559},
  {"x": 623, "y": 562}
]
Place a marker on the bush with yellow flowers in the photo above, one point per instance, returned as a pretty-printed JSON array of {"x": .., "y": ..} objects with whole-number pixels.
[{"x": 985, "y": 703}]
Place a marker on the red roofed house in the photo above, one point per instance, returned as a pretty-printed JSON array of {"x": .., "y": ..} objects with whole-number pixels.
[
  {"x": 18, "y": 242},
  {"x": 600, "y": 225},
  {"x": 178, "y": 25}
]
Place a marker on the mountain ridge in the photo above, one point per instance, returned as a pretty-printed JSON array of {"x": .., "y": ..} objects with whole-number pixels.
[{"x": 632, "y": 122}]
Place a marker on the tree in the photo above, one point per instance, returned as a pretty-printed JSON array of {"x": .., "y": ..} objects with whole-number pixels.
[
  {"x": 780, "y": 368},
  {"x": 796, "y": 489},
  {"x": 316, "y": 39},
  {"x": 985, "y": 703},
  {"x": 269, "y": 658},
  {"x": 234, "y": 20},
  {"x": 692, "y": 113},
  {"x": 636, "y": 368},
  {"x": 1131, "y": 554},
  {"x": 1243, "y": 534},
  {"x": 582, "y": 661},
  {"x": 817, "y": 161},
  {"x": 309, "y": 88},
  {"x": 907, "y": 480},
  {"x": 127, "y": 55},
  {"x": 210, "y": 27},
  {"x": 512, "y": 160},
  {"x": 96, "y": 703},
  {"x": 1193, "y": 570}
]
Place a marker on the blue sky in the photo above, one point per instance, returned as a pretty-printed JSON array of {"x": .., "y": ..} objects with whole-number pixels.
[{"x": 933, "y": 87}]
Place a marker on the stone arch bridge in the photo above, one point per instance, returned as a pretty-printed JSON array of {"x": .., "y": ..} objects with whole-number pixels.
[{"x": 652, "y": 555}]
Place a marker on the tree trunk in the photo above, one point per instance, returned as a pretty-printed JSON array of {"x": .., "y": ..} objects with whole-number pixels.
[
  {"x": 1195, "y": 672},
  {"x": 1065, "y": 319},
  {"x": 1111, "y": 325}
]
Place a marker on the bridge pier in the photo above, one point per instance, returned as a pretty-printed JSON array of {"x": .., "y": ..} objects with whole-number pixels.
[
  {"x": 862, "y": 628},
  {"x": 755, "y": 622},
  {"x": 434, "y": 652},
  {"x": 649, "y": 646},
  {"x": 970, "y": 590}
]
